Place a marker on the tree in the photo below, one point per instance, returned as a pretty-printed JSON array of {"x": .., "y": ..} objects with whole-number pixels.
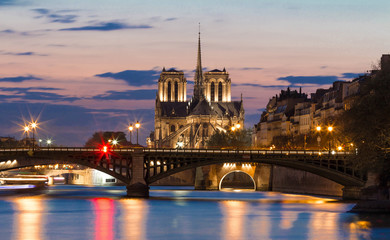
[
  {"x": 99, "y": 138},
  {"x": 367, "y": 125},
  {"x": 230, "y": 139}
]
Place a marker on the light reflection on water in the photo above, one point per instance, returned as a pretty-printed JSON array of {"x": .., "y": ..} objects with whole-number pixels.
[
  {"x": 29, "y": 218},
  {"x": 103, "y": 213}
]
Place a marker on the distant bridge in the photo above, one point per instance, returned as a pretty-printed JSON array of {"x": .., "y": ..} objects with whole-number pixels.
[{"x": 139, "y": 167}]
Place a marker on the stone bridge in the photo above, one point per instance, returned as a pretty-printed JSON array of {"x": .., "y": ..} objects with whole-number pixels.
[{"x": 139, "y": 167}]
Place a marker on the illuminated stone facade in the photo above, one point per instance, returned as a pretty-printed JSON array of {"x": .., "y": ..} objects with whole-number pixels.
[
  {"x": 189, "y": 124},
  {"x": 292, "y": 113}
]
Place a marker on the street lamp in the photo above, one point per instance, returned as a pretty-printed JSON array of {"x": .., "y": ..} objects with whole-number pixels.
[
  {"x": 40, "y": 142},
  {"x": 318, "y": 129},
  {"x": 114, "y": 142},
  {"x": 48, "y": 142},
  {"x": 330, "y": 129},
  {"x": 233, "y": 128},
  {"x": 26, "y": 129},
  {"x": 33, "y": 126},
  {"x": 137, "y": 125},
  {"x": 130, "y": 131},
  {"x": 238, "y": 126}
]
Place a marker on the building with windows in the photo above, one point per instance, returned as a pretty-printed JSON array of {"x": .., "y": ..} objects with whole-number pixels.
[
  {"x": 291, "y": 113},
  {"x": 190, "y": 123}
]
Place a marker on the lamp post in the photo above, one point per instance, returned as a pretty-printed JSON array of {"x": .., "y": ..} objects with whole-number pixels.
[
  {"x": 33, "y": 126},
  {"x": 330, "y": 129},
  {"x": 48, "y": 142},
  {"x": 130, "y": 131},
  {"x": 137, "y": 125},
  {"x": 114, "y": 142},
  {"x": 318, "y": 129},
  {"x": 40, "y": 142},
  {"x": 26, "y": 129}
]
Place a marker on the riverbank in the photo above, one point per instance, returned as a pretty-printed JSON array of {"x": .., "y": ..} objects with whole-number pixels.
[{"x": 372, "y": 206}]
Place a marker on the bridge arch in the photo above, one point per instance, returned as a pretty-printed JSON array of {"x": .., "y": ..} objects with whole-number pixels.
[
  {"x": 117, "y": 168},
  {"x": 237, "y": 171},
  {"x": 334, "y": 167}
]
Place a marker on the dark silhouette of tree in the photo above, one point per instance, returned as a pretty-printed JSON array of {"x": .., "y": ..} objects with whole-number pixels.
[
  {"x": 100, "y": 138},
  {"x": 367, "y": 125},
  {"x": 230, "y": 139}
]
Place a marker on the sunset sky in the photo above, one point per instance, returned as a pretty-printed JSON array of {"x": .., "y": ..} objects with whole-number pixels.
[{"x": 93, "y": 65}]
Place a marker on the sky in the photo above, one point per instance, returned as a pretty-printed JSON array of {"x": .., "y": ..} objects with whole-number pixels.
[{"x": 93, "y": 65}]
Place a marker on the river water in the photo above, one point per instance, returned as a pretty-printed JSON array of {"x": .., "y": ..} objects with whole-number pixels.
[{"x": 77, "y": 212}]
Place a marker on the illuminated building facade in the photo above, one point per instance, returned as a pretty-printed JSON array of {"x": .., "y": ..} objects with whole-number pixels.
[{"x": 190, "y": 123}]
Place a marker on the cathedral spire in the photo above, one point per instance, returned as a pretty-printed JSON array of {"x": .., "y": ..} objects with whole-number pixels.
[
  {"x": 198, "y": 72},
  {"x": 198, "y": 93}
]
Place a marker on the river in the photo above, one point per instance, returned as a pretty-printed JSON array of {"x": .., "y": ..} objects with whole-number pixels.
[{"x": 102, "y": 213}]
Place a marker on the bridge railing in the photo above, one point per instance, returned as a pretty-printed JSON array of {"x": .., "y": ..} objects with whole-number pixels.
[
  {"x": 172, "y": 150},
  {"x": 230, "y": 151}
]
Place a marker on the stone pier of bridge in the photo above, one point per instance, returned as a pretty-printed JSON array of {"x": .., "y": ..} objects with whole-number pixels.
[{"x": 137, "y": 186}]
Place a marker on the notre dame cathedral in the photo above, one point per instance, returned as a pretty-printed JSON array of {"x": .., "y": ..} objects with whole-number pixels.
[{"x": 186, "y": 123}]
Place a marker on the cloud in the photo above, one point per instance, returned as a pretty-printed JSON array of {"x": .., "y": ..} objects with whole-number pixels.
[
  {"x": 35, "y": 93},
  {"x": 144, "y": 94},
  {"x": 42, "y": 11},
  {"x": 107, "y": 26},
  {"x": 7, "y": 31},
  {"x": 13, "y": 32},
  {"x": 23, "y": 90},
  {"x": 134, "y": 77},
  {"x": 320, "y": 80},
  {"x": 250, "y": 68},
  {"x": 7, "y": 2},
  {"x": 259, "y": 85},
  {"x": 22, "y": 53},
  {"x": 170, "y": 19},
  {"x": 351, "y": 75},
  {"x": 56, "y": 45},
  {"x": 56, "y": 16},
  {"x": 19, "y": 78}
]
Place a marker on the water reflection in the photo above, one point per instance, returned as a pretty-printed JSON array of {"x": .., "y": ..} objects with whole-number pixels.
[
  {"x": 193, "y": 215},
  {"x": 28, "y": 221},
  {"x": 234, "y": 219},
  {"x": 287, "y": 219},
  {"x": 104, "y": 216},
  {"x": 134, "y": 218}
]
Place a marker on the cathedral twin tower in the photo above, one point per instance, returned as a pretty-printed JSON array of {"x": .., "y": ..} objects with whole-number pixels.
[
  {"x": 182, "y": 123},
  {"x": 214, "y": 85}
]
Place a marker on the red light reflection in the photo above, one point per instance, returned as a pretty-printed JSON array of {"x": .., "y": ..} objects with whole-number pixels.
[{"x": 104, "y": 221}]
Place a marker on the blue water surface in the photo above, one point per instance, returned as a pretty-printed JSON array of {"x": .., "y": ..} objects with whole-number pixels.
[{"x": 79, "y": 212}]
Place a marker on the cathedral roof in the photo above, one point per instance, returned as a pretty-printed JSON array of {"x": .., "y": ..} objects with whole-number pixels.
[
  {"x": 216, "y": 70},
  {"x": 174, "y": 109},
  {"x": 227, "y": 108},
  {"x": 202, "y": 108}
]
